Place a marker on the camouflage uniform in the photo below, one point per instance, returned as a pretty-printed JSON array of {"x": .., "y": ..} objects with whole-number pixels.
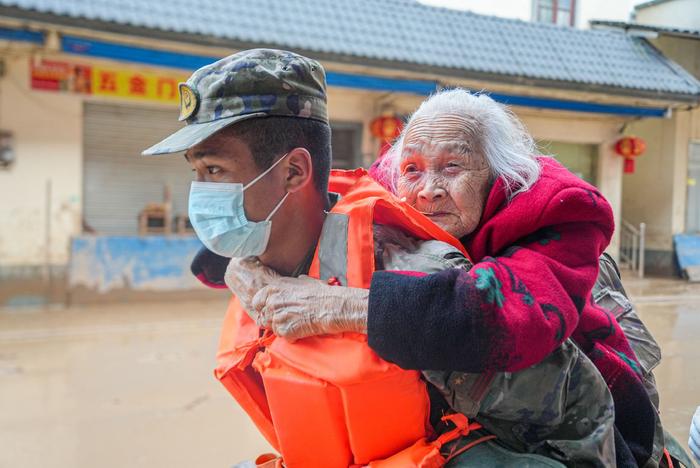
[{"x": 560, "y": 408}]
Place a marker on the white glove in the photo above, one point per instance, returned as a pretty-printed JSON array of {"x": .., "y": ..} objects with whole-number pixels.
[
  {"x": 245, "y": 277},
  {"x": 298, "y": 307}
]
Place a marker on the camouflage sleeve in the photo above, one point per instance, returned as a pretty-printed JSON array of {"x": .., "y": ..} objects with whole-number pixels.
[
  {"x": 396, "y": 251},
  {"x": 560, "y": 408},
  {"x": 610, "y": 294}
]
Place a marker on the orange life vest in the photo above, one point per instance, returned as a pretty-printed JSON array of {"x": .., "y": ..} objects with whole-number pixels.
[{"x": 330, "y": 400}]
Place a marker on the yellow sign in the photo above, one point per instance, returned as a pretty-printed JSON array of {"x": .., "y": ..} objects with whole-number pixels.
[
  {"x": 105, "y": 81},
  {"x": 135, "y": 84}
]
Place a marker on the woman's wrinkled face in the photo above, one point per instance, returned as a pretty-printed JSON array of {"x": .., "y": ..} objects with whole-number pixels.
[{"x": 443, "y": 174}]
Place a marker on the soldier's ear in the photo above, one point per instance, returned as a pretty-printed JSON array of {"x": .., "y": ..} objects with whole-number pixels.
[{"x": 298, "y": 169}]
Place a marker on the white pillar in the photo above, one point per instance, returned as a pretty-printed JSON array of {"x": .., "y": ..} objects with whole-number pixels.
[{"x": 609, "y": 178}]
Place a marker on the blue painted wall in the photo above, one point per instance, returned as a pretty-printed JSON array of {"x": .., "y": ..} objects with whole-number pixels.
[
  {"x": 153, "y": 263},
  {"x": 687, "y": 248}
]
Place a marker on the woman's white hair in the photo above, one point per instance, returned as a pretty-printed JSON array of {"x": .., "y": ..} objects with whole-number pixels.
[{"x": 509, "y": 149}]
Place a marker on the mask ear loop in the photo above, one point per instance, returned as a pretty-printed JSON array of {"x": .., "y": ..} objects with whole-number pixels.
[
  {"x": 265, "y": 172},
  {"x": 279, "y": 205}
]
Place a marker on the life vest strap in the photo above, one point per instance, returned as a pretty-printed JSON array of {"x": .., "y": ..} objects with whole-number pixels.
[
  {"x": 462, "y": 429},
  {"x": 455, "y": 452}
]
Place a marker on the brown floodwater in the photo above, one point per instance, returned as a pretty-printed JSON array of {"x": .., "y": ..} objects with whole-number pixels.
[
  {"x": 671, "y": 311},
  {"x": 131, "y": 385}
]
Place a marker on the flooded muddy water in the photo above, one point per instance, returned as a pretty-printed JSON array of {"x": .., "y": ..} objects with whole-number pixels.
[{"x": 132, "y": 385}]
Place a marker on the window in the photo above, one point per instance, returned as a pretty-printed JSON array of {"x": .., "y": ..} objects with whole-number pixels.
[
  {"x": 560, "y": 12},
  {"x": 346, "y": 138}
]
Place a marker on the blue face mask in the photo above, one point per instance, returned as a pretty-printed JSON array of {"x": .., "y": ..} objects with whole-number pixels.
[{"x": 218, "y": 217}]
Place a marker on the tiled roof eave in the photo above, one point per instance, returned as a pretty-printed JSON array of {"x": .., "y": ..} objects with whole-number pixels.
[{"x": 457, "y": 73}]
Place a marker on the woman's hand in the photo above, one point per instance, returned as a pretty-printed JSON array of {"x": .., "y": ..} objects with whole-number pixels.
[{"x": 299, "y": 307}]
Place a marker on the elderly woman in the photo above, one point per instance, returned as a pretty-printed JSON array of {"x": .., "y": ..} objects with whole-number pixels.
[{"x": 535, "y": 233}]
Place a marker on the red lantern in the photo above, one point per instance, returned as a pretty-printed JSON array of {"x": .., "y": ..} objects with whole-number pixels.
[
  {"x": 630, "y": 147},
  {"x": 386, "y": 127}
]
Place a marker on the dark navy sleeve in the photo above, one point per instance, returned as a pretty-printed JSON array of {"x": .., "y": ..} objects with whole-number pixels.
[
  {"x": 210, "y": 268},
  {"x": 422, "y": 322}
]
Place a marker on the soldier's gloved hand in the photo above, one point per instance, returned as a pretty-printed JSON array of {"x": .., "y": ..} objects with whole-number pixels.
[
  {"x": 245, "y": 277},
  {"x": 299, "y": 307}
]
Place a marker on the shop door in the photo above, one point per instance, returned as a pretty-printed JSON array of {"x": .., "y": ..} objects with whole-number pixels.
[
  {"x": 118, "y": 182},
  {"x": 580, "y": 159},
  {"x": 693, "y": 206}
]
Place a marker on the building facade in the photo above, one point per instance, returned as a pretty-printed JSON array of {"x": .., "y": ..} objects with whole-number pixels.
[
  {"x": 664, "y": 191},
  {"x": 85, "y": 87}
]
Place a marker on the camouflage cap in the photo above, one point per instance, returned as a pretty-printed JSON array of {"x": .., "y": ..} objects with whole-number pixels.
[{"x": 249, "y": 84}]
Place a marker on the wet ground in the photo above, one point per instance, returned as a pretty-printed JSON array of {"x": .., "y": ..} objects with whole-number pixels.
[
  {"x": 671, "y": 310},
  {"x": 131, "y": 385}
]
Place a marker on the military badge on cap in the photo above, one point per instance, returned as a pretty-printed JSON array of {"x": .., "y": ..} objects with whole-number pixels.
[{"x": 189, "y": 101}]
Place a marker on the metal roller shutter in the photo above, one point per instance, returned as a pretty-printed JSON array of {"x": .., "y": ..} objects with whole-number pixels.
[{"x": 118, "y": 182}]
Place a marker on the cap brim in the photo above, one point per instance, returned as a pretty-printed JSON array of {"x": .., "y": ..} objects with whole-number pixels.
[{"x": 191, "y": 134}]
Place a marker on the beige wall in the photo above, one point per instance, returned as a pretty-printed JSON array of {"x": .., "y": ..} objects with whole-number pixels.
[
  {"x": 47, "y": 129},
  {"x": 656, "y": 193},
  {"x": 685, "y": 52},
  {"x": 676, "y": 14}
]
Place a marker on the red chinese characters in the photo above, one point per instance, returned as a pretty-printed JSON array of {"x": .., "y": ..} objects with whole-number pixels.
[
  {"x": 137, "y": 85},
  {"x": 107, "y": 82}
]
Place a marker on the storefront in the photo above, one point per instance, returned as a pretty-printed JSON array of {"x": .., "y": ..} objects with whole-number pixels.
[
  {"x": 124, "y": 110},
  {"x": 79, "y": 105},
  {"x": 78, "y": 187}
]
